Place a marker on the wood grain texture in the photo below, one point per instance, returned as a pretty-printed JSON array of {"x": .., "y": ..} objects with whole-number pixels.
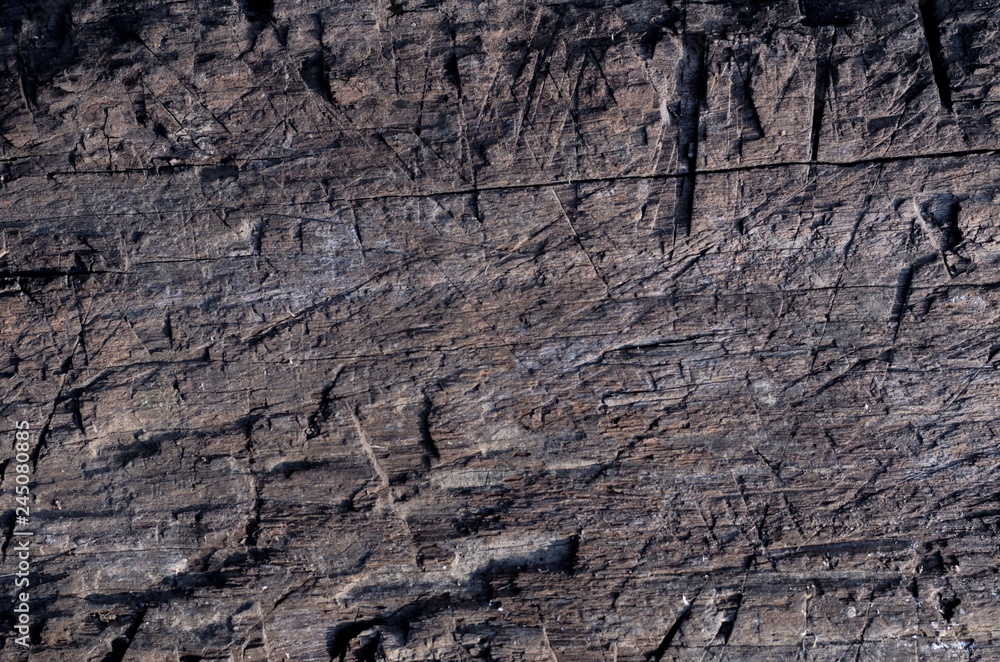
[{"x": 445, "y": 330}]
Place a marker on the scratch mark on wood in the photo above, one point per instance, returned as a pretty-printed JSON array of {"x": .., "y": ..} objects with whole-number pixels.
[
  {"x": 692, "y": 80},
  {"x": 322, "y": 413},
  {"x": 661, "y": 650},
  {"x": 576, "y": 236},
  {"x": 824, "y": 67},
  {"x": 426, "y": 440},
  {"x": 368, "y": 449},
  {"x": 120, "y": 646},
  {"x": 932, "y": 34}
]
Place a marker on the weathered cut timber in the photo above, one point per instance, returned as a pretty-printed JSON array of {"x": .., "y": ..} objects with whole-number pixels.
[{"x": 457, "y": 330}]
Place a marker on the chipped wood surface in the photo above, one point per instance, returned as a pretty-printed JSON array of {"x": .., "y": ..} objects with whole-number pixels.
[{"x": 503, "y": 331}]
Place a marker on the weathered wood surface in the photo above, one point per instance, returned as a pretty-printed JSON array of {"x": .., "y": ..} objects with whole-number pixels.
[{"x": 503, "y": 330}]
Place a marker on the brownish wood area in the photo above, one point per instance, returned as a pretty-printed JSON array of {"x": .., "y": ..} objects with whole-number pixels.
[{"x": 456, "y": 330}]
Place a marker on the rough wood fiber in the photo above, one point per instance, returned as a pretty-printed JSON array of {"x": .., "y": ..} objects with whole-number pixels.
[{"x": 503, "y": 330}]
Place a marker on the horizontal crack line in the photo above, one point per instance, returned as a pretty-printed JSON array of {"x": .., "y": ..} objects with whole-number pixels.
[{"x": 851, "y": 163}]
